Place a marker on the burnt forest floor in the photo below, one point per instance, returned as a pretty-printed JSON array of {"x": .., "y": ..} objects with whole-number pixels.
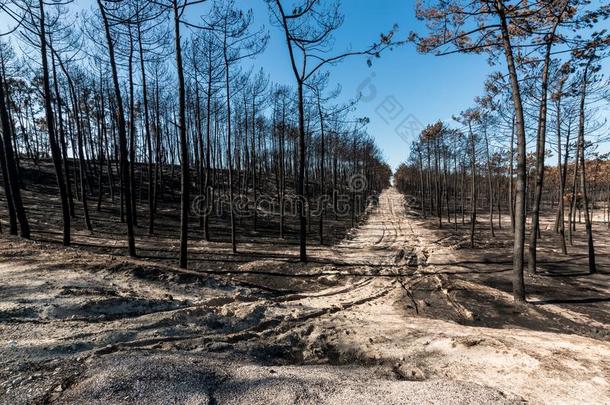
[{"x": 394, "y": 310}]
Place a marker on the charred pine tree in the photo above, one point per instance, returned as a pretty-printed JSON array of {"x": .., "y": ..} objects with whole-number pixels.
[
  {"x": 122, "y": 131},
  {"x": 54, "y": 145}
]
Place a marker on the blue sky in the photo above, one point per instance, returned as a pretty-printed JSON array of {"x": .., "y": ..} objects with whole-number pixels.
[{"x": 409, "y": 87}]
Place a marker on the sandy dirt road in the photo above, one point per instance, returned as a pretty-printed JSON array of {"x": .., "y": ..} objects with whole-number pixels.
[{"x": 389, "y": 315}]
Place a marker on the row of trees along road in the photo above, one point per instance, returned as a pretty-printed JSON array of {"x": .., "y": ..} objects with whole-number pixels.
[
  {"x": 549, "y": 53},
  {"x": 129, "y": 96}
]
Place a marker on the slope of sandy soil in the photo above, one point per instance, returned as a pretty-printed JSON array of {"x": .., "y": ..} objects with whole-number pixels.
[{"x": 399, "y": 312}]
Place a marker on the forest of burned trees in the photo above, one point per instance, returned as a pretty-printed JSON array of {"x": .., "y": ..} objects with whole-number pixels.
[
  {"x": 494, "y": 160},
  {"x": 152, "y": 107},
  {"x": 140, "y": 108}
]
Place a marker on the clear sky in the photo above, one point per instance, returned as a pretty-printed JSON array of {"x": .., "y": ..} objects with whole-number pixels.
[{"x": 410, "y": 89}]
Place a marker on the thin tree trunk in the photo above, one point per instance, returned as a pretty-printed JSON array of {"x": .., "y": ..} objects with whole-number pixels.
[
  {"x": 229, "y": 151},
  {"x": 81, "y": 163},
  {"x": 62, "y": 137},
  {"x": 132, "y": 130},
  {"x": 122, "y": 134},
  {"x": 562, "y": 179},
  {"x": 322, "y": 185},
  {"x": 55, "y": 149},
  {"x": 7, "y": 191},
  {"x": 519, "y": 235},
  {"x": 9, "y": 175},
  {"x": 301, "y": 176},
  {"x": 490, "y": 187},
  {"x": 473, "y": 196},
  {"x": 540, "y": 152},
  {"x": 583, "y": 171},
  {"x": 206, "y": 218},
  {"x": 184, "y": 155},
  {"x": 151, "y": 213}
]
